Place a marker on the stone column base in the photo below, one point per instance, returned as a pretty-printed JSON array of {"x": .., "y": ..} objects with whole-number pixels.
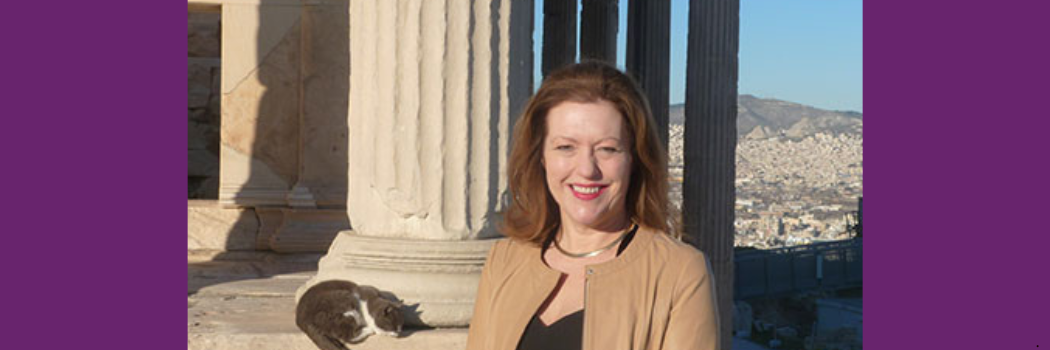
[{"x": 436, "y": 280}]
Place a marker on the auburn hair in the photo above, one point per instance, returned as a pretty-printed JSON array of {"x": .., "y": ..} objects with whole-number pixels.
[{"x": 532, "y": 214}]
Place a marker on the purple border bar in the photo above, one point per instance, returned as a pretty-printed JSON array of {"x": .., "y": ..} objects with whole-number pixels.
[
  {"x": 956, "y": 174},
  {"x": 94, "y": 144},
  {"x": 94, "y": 141}
]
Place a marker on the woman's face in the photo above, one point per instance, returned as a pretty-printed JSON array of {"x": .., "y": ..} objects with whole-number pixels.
[{"x": 586, "y": 155}]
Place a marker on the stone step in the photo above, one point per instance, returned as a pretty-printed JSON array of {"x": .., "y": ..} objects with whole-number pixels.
[
  {"x": 248, "y": 273},
  {"x": 276, "y": 286},
  {"x": 246, "y": 300}
]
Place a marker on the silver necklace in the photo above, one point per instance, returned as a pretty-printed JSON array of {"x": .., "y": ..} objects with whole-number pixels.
[{"x": 593, "y": 252}]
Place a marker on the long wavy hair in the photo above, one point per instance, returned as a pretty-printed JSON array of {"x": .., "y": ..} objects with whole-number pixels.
[{"x": 532, "y": 214}]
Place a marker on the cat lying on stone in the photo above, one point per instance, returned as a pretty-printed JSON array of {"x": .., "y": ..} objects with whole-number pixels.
[{"x": 337, "y": 313}]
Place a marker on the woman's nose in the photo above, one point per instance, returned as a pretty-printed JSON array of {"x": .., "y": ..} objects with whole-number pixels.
[{"x": 587, "y": 166}]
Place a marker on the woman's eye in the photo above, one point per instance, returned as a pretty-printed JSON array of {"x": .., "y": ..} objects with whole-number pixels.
[
  {"x": 609, "y": 149},
  {"x": 563, "y": 148}
]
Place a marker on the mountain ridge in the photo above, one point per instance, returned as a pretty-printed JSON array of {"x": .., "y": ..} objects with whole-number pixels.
[{"x": 759, "y": 118}]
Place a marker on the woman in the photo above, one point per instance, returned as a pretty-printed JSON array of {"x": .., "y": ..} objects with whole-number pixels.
[{"x": 592, "y": 261}]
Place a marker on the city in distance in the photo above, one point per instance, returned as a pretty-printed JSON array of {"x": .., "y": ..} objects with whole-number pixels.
[{"x": 799, "y": 171}]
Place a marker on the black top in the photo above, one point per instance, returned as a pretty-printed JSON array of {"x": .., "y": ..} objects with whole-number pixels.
[
  {"x": 626, "y": 240},
  {"x": 563, "y": 334}
]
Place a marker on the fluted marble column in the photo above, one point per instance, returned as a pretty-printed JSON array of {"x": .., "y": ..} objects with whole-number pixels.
[
  {"x": 710, "y": 142},
  {"x": 599, "y": 22},
  {"x": 431, "y": 88},
  {"x": 559, "y": 34},
  {"x": 648, "y": 54}
]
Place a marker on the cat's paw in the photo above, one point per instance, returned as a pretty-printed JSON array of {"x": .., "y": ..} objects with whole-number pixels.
[
  {"x": 391, "y": 334},
  {"x": 354, "y": 314},
  {"x": 365, "y": 332}
]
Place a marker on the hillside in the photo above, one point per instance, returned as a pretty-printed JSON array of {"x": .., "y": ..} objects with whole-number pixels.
[{"x": 759, "y": 118}]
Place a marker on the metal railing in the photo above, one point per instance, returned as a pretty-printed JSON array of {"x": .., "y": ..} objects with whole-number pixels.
[{"x": 777, "y": 272}]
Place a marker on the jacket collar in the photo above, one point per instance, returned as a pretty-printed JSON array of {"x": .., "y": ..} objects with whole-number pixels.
[{"x": 637, "y": 248}]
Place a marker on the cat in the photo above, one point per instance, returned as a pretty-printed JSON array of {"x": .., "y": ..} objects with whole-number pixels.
[{"x": 337, "y": 313}]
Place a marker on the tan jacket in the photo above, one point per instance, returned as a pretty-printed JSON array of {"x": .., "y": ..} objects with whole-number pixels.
[{"x": 657, "y": 294}]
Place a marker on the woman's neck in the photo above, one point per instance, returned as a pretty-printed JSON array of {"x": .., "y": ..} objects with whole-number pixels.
[{"x": 578, "y": 238}]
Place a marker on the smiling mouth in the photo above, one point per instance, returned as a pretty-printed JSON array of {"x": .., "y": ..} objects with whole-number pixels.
[{"x": 587, "y": 192}]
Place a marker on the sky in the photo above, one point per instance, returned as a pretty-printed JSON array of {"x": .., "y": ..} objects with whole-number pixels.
[{"x": 804, "y": 51}]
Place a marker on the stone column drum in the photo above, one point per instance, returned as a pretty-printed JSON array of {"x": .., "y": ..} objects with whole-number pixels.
[{"x": 431, "y": 91}]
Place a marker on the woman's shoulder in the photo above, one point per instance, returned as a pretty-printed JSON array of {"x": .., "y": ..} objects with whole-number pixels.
[
  {"x": 512, "y": 247},
  {"x": 675, "y": 249},
  {"x": 685, "y": 261},
  {"x": 506, "y": 252}
]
